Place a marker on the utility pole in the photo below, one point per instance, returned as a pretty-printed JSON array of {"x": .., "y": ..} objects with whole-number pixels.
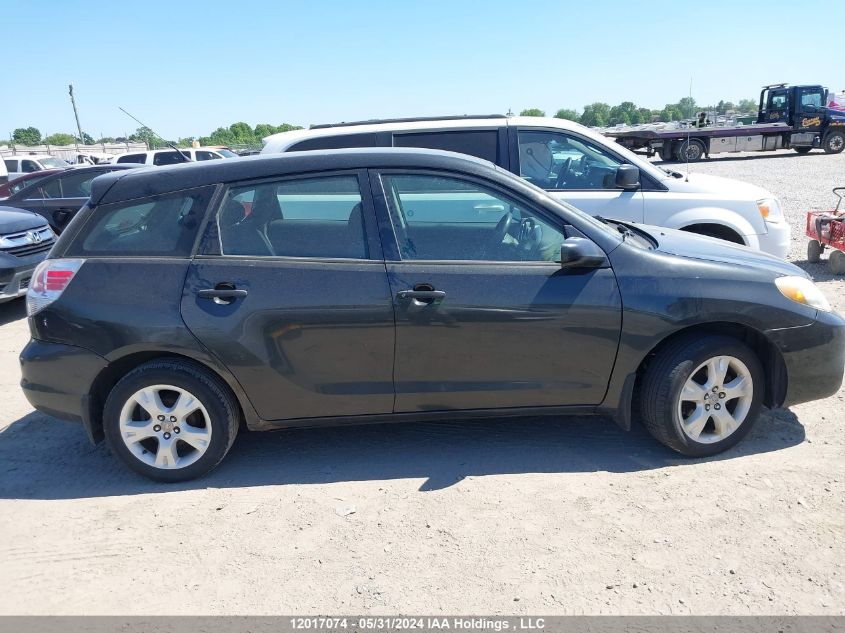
[{"x": 76, "y": 114}]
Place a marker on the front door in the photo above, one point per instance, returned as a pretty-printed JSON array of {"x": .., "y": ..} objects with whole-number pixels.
[
  {"x": 578, "y": 171},
  {"x": 292, "y": 296},
  {"x": 485, "y": 316}
]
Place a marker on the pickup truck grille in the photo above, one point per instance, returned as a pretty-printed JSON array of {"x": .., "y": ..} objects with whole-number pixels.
[{"x": 29, "y": 242}]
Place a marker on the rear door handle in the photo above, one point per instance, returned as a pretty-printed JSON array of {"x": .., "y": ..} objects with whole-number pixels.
[{"x": 422, "y": 295}]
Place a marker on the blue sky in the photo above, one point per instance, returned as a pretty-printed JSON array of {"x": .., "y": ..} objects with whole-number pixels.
[{"x": 186, "y": 67}]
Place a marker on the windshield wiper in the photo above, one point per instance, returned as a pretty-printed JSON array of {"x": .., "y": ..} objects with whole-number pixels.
[{"x": 620, "y": 226}]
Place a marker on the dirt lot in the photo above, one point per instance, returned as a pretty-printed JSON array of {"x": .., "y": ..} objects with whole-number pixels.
[{"x": 570, "y": 516}]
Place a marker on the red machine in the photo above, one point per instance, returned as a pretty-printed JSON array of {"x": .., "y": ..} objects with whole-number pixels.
[{"x": 827, "y": 229}]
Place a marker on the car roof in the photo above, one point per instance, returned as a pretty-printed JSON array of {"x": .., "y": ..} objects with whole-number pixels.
[
  {"x": 283, "y": 140},
  {"x": 59, "y": 173},
  {"x": 114, "y": 187}
]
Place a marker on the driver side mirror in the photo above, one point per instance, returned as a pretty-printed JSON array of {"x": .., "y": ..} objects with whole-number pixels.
[
  {"x": 627, "y": 178},
  {"x": 579, "y": 252}
]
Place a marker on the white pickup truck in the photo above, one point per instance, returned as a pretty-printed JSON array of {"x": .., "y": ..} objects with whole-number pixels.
[{"x": 579, "y": 166}]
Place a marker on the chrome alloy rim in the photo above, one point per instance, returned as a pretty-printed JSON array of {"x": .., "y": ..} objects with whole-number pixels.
[
  {"x": 715, "y": 399},
  {"x": 165, "y": 427}
]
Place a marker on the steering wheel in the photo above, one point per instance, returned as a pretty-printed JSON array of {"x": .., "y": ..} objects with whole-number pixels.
[
  {"x": 502, "y": 228},
  {"x": 563, "y": 174}
]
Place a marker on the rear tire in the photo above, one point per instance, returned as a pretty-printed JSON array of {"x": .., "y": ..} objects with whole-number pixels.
[
  {"x": 836, "y": 262},
  {"x": 170, "y": 420},
  {"x": 834, "y": 142},
  {"x": 678, "y": 399},
  {"x": 814, "y": 251},
  {"x": 691, "y": 151},
  {"x": 803, "y": 150}
]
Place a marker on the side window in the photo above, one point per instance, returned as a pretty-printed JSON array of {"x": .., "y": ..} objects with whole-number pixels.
[
  {"x": 480, "y": 143},
  {"x": 164, "y": 226},
  {"x": 777, "y": 101},
  {"x": 51, "y": 189},
  {"x": 76, "y": 185},
  {"x": 11, "y": 165},
  {"x": 29, "y": 166},
  {"x": 170, "y": 158},
  {"x": 132, "y": 158},
  {"x": 335, "y": 142},
  {"x": 442, "y": 218},
  {"x": 308, "y": 217},
  {"x": 811, "y": 96},
  {"x": 206, "y": 155},
  {"x": 554, "y": 161}
]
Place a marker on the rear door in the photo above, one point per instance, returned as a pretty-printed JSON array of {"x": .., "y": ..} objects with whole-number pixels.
[
  {"x": 578, "y": 170},
  {"x": 291, "y": 294},
  {"x": 485, "y": 316}
]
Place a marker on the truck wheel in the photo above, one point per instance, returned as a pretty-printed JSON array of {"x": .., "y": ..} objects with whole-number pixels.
[
  {"x": 702, "y": 394},
  {"x": 834, "y": 142},
  {"x": 836, "y": 263},
  {"x": 666, "y": 153},
  {"x": 691, "y": 151},
  {"x": 803, "y": 150},
  {"x": 814, "y": 251}
]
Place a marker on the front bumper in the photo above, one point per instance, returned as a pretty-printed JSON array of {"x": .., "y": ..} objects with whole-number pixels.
[
  {"x": 15, "y": 274},
  {"x": 814, "y": 356},
  {"x": 57, "y": 379},
  {"x": 777, "y": 239}
]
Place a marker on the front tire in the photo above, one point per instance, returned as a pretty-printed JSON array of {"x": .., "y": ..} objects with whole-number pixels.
[
  {"x": 702, "y": 394},
  {"x": 836, "y": 262},
  {"x": 814, "y": 251},
  {"x": 170, "y": 420},
  {"x": 834, "y": 142}
]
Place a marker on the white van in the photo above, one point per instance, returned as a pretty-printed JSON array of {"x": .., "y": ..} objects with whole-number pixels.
[
  {"x": 26, "y": 164},
  {"x": 578, "y": 165},
  {"x": 170, "y": 157}
]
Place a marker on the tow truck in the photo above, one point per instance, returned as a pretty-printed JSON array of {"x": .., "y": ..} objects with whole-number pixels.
[{"x": 788, "y": 117}]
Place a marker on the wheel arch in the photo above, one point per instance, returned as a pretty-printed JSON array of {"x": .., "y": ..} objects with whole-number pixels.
[
  {"x": 119, "y": 367},
  {"x": 770, "y": 357},
  {"x": 713, "y": 216},
  {"x": 712, "y": 229}
]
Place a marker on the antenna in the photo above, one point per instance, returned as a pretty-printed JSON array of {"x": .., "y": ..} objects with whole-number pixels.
[
  {"x": 75, "y": 113},
  {"x": 166, "y": 142},
  {"x": 686, "y": 153}
]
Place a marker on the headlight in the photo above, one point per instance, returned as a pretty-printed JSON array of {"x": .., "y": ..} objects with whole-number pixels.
[
  {"x": 770, "y": 210},
  {"x": 802, "y": 290}
]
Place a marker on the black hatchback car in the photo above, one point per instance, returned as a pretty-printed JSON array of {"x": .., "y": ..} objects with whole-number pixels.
[{"x": 364, "y": 285}]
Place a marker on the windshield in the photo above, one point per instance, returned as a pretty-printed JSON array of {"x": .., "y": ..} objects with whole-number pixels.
[
  {"x": 53, "y": 163},
  {"x": 226, "y": 153}
]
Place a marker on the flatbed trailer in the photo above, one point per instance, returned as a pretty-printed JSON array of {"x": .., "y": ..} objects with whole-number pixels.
[{"x": 794, "y": 117}]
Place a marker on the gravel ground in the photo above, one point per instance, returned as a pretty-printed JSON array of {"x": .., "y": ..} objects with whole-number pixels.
[{"x": 569, "y": 516}]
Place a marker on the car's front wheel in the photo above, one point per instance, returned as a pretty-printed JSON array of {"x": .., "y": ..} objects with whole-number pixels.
[
  {"x": 170, "y": 420},
  {"x": 701, "y": 395}
]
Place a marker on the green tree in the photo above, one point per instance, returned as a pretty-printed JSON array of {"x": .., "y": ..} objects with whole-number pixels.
[
  {"x": 747, "y": 105},
  {"x": 646, "y": 115},
  {"x": 595, "y": 115},
  {"x": 145, "y": 135},
  {"x": 107, "y": 139},
  {"x": 626, "y": 112},
  {"x": 566, "y": 113},
  {"x": 26, "y": 136},
  {"x": 532, "y": 112},
  {"x": 87, "y": 139},
  {"x": 60, "y": 138},
  {"x": 688, "y": 107}
]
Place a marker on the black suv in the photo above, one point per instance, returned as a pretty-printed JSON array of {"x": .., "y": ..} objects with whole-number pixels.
[{"x": 365, "y": 285}]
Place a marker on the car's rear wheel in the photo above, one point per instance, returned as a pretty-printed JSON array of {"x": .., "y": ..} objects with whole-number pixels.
[
  {"x": 170, "y": 420},
  {"x": 814, "y": 251},
  {"x": 701, "y": 395}
]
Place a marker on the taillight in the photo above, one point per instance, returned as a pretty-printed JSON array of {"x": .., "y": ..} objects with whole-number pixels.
[{"x": 49, "y": 281}]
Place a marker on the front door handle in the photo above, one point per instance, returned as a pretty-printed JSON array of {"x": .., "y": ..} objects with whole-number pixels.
[
  {"x": 422, "y": 295},
  {"x": 222, "y": 293}
]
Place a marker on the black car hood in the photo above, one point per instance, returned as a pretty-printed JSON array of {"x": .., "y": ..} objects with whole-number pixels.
[
  {"x": 15, "y": 220},
  {"x": 685, "y": 244}
]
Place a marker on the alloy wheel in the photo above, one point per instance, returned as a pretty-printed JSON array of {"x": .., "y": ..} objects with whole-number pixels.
[
  {"x": 165, "y": 427},
  {"x": 716, "y": 399}
]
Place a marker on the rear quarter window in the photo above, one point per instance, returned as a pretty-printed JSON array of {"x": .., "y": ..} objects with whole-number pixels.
[
  {"x": 335, "y": 142},
  {"x": 480, "y": 143},
  {"x": 162, "y": 226}
]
